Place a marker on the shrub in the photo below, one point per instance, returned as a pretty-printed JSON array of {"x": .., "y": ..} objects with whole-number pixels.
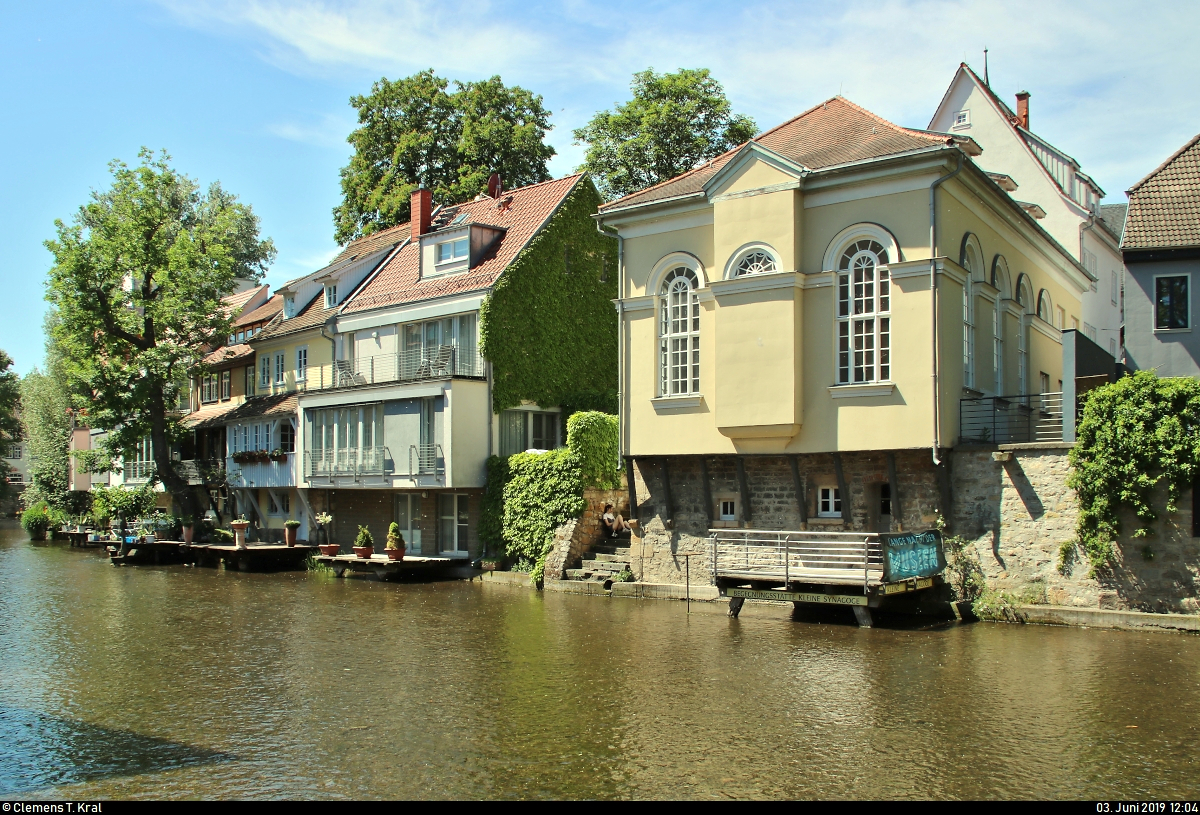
[
  {"x": 37, "y": 521},
  {"x": 291, "y": 524},
  {"x": 544, "y": 491},
  {"x": 394, "y": 539},
  {"x": 222, "y": 536},
  {"x": 594, "y": 439},
  {"x": 491, "y": 522},
  {"x": 364, "y": 537}
]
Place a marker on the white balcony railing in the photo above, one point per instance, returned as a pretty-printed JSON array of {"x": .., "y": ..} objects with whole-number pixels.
[
  {"x": 433, "y": 362},
  {"x": 138, "y": 472},
  {"x": 262, "y": 473},
  {"x": 352, "y": 462}
]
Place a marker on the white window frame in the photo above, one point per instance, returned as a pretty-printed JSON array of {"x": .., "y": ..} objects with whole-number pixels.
[
  {"x": 829, "y": 502},
  {"x": 727, "y": 510},
  {"x": 1116, "y": 288},
  {"x": 302, "y": 363},
  {"x": 679, "y": 336},
  {"x": 460, "y": 547},
  {"x": 331, "y": 296},
  {"x": 453, "y": 252},
  {"x": 854, "y": 362},
  {"x": 962, "y": 119},
  {"x": 997, "y": 348},
  {"x": 226, "y": 385},
  {"x": 280, "y": 367},
  {"x": 1154, "y": 303},
  {"x": 759, "y": 258},
  {"x": 264, "y": 372}
]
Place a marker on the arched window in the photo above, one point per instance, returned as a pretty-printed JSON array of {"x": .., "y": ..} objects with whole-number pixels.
[
  {"x": 679, "y": 334},
  {"x": 863, "y": 314},
  {"x": 970, "y": 265},
  {"x": 1000, "y": 280},
  {"x": 1024, "y": 298},
  {"x": 1044, "y": 306},
  {"x": 756, "y": 261}
]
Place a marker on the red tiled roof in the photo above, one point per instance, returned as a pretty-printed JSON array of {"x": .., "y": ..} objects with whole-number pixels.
[
  {"x": 264, "y": 312},
  {"x": 235, "y": 301},
  {"x": 1164, "y": 207},
  {"x": 208, "y": 414},
  {"x": 227, "y": 355},
  {"x": 521, "y": 213},
  {"x": 255, "y": 406},
  {"x": 834, "y": 132},
  {"x": 313, "y": 314}
]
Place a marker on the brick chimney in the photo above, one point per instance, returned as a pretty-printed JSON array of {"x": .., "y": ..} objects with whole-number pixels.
[
  {"x": 1023, "y": 109},
  {"x": 421, "y": 209}
]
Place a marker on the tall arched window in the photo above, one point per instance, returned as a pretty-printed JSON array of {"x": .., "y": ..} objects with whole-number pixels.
[
  {"x": 1044, "y": 307},
  {"x": 1000, "y": 279},
  {"x": 863, "y": 314},
  {"x": 679, "y": 334},
  {"x": 971, "y": 259},
  {"x": 1024, "y": 299}
]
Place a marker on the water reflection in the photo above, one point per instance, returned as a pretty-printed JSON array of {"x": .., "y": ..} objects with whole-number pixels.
[{"x": 326, "y": 688}]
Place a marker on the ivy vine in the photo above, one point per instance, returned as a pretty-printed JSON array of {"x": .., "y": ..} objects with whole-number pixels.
[
  {"x": 1136, "y": 435},
  {"x": 544, "y": 491},
  {"x": 549, "y": 327}
]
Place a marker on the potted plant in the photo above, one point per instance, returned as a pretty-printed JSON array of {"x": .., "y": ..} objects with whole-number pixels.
[
  {"x": 490, "y": 564},
  {"x": 364, "y": 544},
  {"x": 189, "y": 527},
  {"x": 278, "y": 455},
  {"x": 289, "y": 531},
  {"x": 239, "y": 531},
  {"x": 395, "y": 547},
  {"x": 323, "y": 520}
]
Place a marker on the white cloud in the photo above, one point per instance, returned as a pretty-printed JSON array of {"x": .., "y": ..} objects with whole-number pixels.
[
  {"x": 325, "y": 131},
  {"x": 1114, "y": 84}
]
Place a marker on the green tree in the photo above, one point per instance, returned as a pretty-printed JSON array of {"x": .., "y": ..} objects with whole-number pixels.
[
  {"x": 10, "y": 423},
  {"x": 416, "y": 132},
  {"x": 137, "y": 284},
  {"x": 674, "y": 123},
  {"x": 46, "y": 421}
]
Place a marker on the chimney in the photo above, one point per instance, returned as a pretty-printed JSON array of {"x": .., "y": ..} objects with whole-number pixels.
[
  {"x": 1023, "y": 109},
  {"x": 493, "y": 187},
  {"x": 421, "y": 209}
]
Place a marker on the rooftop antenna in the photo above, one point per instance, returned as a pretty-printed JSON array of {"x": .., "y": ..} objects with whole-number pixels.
[{"x": 985, "y": 69}]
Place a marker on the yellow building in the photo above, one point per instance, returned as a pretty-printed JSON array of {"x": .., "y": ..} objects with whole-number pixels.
[{"x": 802, "y": 316}]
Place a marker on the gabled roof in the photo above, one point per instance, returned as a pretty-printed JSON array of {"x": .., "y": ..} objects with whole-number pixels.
[
  {"x": 1113, "y": 218},
  {"x": 279, "y": 404},
  {"x": 234, "y": 302},
  {"x": 1164, "y": 207},
  {"x": 264, "y": 312},
  {"x": 832, "y": 133},
  {"x": 208, "y": 415},
  {"x": 228, "y": 355},
  {"x": 519, "y": 214},
  {"x": 313, "y": 314}
]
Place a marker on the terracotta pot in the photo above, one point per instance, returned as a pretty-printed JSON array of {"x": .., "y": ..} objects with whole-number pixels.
[
  {"x": 289, "y": 535},
  {"x": 395, "y": 554},
  {"x": 188, "y": 532},
  {"x": 330, "y": 549},
  {"x": 364, "y": 552}
]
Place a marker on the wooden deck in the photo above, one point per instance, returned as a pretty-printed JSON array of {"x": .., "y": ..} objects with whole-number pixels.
[
  {"x": 255, "y": 557},
  {"x": 382, "y": 568}
]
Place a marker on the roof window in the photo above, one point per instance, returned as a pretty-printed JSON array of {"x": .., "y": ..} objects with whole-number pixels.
[{"x": 451, "y": 250}]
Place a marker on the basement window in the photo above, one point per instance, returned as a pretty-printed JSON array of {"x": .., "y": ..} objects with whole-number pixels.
[
  {"x": 885, "y": 499},
  {"x": 728, "y": 511},
  {"x": 829, "y": 503}
]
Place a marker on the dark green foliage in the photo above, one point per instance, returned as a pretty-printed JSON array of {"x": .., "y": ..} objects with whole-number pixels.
[
  {"x": 124, "y": 503},
  {"x": 674, "y": 123},
  {"x": 592, "y": 437},
  {"x": 364, "y": 537},
  {"x": 46, "y": 416},
  {"x": 37, "y": 520},
  {"x": 544, "y": 491},
  {"x": 10, "y": 423},
  {"x": 491, "y": 524},
  {"x": 394, "y": 539},
  {"x": 414, "y": 132},
  {"x": 1136, "y": 434},
  {"x": 549, "y": 327},
  {"x": 136, "y": 285}
]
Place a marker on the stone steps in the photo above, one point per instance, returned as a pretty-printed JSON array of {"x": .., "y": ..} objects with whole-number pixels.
[
  {"x": 615, "y": 557},
  {"x": 610, "y": 549}
]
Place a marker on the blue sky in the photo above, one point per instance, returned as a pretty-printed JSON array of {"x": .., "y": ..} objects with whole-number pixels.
[{"x": 254, "y": 93}]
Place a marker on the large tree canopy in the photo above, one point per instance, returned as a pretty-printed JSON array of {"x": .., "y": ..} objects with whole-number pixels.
[
  {"x": 673, "y": 123},
  {"x": 137, "y": 283},
  {"x": 415, "y": 132}
]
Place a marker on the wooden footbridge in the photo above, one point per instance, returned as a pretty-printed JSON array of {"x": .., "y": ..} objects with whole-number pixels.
[{"x": 856, "y": 569}]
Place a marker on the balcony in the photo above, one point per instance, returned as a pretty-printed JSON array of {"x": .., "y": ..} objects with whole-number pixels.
[
  {"x": 202, "y": 471},
  {"x": 426, "y": 459},
  {"x": 433, "y": 362},
  {"x": 1011, "y": 419},
  {"x": 270, "y": 473},
  {"x": 138, "y": 472},
  {"x": 354, "y": 462}
]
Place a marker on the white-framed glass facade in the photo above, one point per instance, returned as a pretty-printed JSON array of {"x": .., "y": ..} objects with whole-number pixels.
[
  {"x": 864, "y": 322},
  {"x": 679, "y": 334}
]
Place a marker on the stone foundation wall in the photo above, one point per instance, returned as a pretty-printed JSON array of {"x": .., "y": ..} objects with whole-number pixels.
[
  {"x": 660, "y": 543},
  {"x": 575, "y": 538},
  {"x": 1018, "y": 512}
]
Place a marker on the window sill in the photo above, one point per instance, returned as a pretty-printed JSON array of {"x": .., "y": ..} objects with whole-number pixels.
[
  {"x": 1172, "y": 331},
  {"x": 861, "y": 389},
  {"x": 672, "y": 404}
]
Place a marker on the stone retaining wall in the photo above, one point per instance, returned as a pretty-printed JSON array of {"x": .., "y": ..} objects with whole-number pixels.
[
  {"x": 1018, "y": 511},
  {"x": 573, "y": 539}
]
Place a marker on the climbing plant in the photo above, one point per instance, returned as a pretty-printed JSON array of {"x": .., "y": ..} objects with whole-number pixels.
[
  {"x": 544, "y": 491},
  {"x": 593, "y": 437},
  {"x": 1136, "y": 434},
  {"x": 549, "y": 327},
  {"x": 491, "y": 522}
]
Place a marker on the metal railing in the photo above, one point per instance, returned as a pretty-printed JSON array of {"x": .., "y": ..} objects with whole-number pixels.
[
  {"x": 426, "y": 459},
  {"x": 430, "y": 362},
  {"x": 138, "y": 471},
  {"x": 834, "y": 558},
  {"x": 202, "y": 471},
  {"x": 353, "y": 462},
  {"x": 1011, "y": 419}
]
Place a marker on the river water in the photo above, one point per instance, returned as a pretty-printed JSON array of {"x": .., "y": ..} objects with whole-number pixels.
[{"x": 167, "y": 682}]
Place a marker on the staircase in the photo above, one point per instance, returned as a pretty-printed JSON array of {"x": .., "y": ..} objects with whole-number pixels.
[{"x": 603, "y": 561}]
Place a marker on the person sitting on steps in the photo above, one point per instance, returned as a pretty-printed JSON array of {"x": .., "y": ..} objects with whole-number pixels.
[{"x": 613, "y": 523}]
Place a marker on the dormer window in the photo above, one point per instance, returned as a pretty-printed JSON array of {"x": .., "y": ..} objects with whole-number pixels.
[
  {"x": 451, "y": 250},
  {"x": 331, "y": 295},
  {"x": 289, "y": 307}
]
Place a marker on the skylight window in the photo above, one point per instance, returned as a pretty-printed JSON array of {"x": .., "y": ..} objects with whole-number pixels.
[{"x": 459, "y": 219}]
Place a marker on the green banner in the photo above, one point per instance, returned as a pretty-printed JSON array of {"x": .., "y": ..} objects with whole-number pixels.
[{"x": 912, "y": 554}]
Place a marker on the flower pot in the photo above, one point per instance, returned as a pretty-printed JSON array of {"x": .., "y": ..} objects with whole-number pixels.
[
  {"x": 395, "y": 554},
  {"x": 330, "y": 549},
  {"x": 489, "y": 565},
  {"x": 239, "y": 533},
  {"x": 364, "y": 552},
  {"x": 188, "y": 532},
  {"x": 289, "y": 535}
]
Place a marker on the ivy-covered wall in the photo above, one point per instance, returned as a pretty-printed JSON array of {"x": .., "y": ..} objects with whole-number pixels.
[{"x": 549, "y": 327}]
